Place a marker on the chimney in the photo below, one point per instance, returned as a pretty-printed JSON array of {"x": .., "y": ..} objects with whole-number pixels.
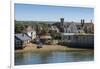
[
  {"x": 82, "y": 22},
  {"x": 62, "y": 21},
  {"x": 62, "y": 24},
  {"x": 23, "y": 33},
  {"x": 91, "y": 20}
]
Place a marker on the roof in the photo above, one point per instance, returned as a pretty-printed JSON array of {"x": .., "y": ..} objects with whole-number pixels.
[
  {"x": 22, "y": 37},
  {"x": 45, "y": 37},
  {"x": 29, "y": 29}
]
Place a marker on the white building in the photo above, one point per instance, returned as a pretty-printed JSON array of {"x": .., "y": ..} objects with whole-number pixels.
[
  {"x": 70, "y": 30},
  {"x": 31, "y": 32},
  {"x": 54, "y": 28}
]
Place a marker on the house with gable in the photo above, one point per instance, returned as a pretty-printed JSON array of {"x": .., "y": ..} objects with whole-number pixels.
[
  {"x": 70, "y": 29},
  {"x": 75, "y": 35},
  {"x": 21, "y": 40},
  {"x": 54, "y": 29},
  {"x": 30, "y": 31}
]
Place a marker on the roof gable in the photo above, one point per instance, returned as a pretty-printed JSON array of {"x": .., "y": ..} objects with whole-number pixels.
[{"x": 22, "y": 37}]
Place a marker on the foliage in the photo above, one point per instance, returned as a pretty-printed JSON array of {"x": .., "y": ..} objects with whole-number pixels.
[
  {"x": 19, "y": 27},
  {"x": 45, "y": 29},
  {"x": 55, "y": 35},
  {"x": 42, "y": 28}
]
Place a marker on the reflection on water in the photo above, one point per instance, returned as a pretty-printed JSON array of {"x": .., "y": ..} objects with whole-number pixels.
[{"x": 52, "y": 57}]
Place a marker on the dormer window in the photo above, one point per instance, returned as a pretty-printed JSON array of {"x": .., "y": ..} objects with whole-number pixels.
[{"x": 69, "y": 37}]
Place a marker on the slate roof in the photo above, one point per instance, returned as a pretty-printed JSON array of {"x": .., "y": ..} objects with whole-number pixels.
[{"x": 22, "y": 37}]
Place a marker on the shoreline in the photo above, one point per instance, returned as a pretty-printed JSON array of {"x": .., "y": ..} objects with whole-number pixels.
[{"x": 47, "y": 48}]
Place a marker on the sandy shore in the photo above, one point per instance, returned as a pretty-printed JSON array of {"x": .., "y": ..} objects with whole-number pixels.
[{"x": 33, "y": 47}]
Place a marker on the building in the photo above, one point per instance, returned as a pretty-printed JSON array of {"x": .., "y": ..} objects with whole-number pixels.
[
  {"x": 54, "y": 29},
  {"x": 88, "y": 28},
  {"x": 61, "y": 24},
  {"x": 75, "y": 35},
  {"x": 30, "y": 31},
  {"x": 73, "y": 28},
  {"x": 62, "y": 21},
  {"x": 78, "y": 40},
  {"x": 21, "y": 40},
  {"x": 46, "y": 39}
]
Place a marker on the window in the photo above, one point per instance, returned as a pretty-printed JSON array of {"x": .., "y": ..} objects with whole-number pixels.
[
  {"x": 18, "y": 42},
  {"x": 69, "y": 37},
  {"x": 76, "y": 37}
]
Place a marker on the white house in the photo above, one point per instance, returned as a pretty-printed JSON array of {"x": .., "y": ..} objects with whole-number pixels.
[
  {"x": 54, "y": 28},
  {"x": 31, "y": 32},
  {"x": 71, "y": 28}
]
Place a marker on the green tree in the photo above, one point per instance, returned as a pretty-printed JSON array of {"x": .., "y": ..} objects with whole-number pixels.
[
  {"x": 19, "y": 27},
  {"x": 45, "y": 29},
  {"x": 55, "y": 35}
]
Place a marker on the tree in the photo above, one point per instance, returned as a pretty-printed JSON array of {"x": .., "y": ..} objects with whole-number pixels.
[
  {"x": 19, "y": 27},
  {"x": 44, "y": 30},
  {"x": 55, "y": 35}
]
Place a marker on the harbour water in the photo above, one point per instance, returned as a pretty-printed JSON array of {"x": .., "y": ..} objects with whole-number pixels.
[{"x": 26, "y": 58}]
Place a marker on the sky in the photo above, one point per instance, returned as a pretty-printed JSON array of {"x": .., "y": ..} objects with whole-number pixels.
[{"x": 31, "y": 12}]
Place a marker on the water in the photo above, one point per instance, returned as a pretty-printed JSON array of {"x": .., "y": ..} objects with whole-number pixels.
[{"x": 25, "y": 58}]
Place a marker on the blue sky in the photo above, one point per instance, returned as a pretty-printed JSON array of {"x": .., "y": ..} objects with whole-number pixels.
[{"x": 31, "y": 12}]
